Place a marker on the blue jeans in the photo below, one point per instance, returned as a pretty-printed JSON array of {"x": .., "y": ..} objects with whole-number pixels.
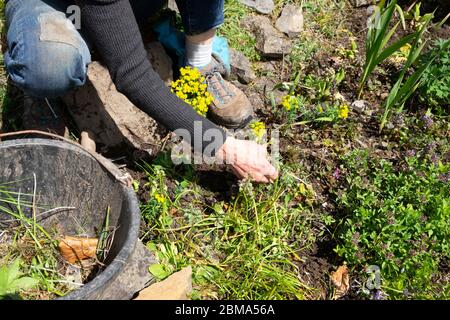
[{"x": 47, "y": 56}]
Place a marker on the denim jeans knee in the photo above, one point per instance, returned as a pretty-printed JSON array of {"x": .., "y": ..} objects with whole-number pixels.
[
  {"x": 46, "y": 55},
  {"x": 200, "y": 16}
]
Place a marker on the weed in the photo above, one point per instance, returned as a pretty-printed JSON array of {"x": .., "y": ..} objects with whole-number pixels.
[
  {"x": 435, "y": 87},
  {"x": 396, "y": 219},
  {"x": 12, "y": 280},
  {"x": 245, "y": 248}
]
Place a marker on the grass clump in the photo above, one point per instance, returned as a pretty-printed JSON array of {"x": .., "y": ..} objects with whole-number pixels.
[
  {"x": 27, "y": 248},
  {"x": 247, "y": 247},
  {"x": 238, "y": 38}
]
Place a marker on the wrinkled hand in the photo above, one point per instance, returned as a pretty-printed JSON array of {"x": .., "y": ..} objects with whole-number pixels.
[{"x": 248, "y": 160}]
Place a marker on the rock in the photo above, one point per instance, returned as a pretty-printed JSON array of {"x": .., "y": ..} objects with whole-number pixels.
[
  {"x": 241, "y": 67},
  {"x": 362, "y": 3},
  {"x": 359, "y": 106},
  {"x": 109, "y": 117},
  {"x": 262, "y": 6},
  {"x": 268, "y": 68},
  {"x": 291, "y": 21},
  {"x": 160, "y": 61},
  {"x": 256, "y": 100},
  {"x": 87, "y": 141},
  {"x": 269, "y": 41},
  {"x": 177, "y": 287},
  {"x": 265, "y": 86}
]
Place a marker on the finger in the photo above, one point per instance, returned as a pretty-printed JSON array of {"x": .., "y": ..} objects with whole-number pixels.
[
  {"x": 253, "y": 176},
  {"x": 256, "y": 177},
  {"x": 273, "y": 173},
  {"x": 238, "y": 172}
]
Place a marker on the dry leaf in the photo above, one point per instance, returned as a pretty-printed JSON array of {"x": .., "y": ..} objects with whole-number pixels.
[
  {"x": 76, "y": 249},
  {"x": 341, "y": 281}
]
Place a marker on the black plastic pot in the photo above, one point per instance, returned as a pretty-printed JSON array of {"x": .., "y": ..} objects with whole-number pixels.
[{"x": 67, "y": 176}]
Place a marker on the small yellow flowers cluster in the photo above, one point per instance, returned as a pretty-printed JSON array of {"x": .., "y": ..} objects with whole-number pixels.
[
  {"x": 290, "y": 102},
  {"x": 258, "y": 129},
  {"x": 160, "y": 198},
  {"x": 343, "y": 111},
  {"x": 192, "y": 89}
]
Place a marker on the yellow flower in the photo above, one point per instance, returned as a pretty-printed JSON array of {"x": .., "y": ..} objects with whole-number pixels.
[
  {"x": 343, "y": 111},
  {"x": 160, "y": 198},
  {"x": 191, "y": 88},
  {"x": 258, "y": 128},
  {"x": 290, "y": 102},
  {"x": 405, "y": 50}
]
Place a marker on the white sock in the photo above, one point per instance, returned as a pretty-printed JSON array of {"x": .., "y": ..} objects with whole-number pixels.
[{"x": 198, "y": 55}]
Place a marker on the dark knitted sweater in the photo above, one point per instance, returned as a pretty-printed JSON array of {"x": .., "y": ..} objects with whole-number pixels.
[{"x": 112, "y": 28}]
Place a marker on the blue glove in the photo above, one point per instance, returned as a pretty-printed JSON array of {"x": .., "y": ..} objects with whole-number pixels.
[{"x": 174, "y": 41}]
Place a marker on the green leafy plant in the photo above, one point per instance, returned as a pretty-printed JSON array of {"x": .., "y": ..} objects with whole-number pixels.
[
  {"x": 12, "y": 280},
  {"x": 351, "y": 52},
  {"x": 28, "y": 242},
  {"x": 435, "y": 87},
  {"x": 397, "y": 219}
]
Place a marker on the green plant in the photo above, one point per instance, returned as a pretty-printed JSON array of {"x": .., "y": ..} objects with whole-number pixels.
[
  {"x": 191, "y": 88},
  {"x": 378, "y": 35},
  {"x": 24, "y": 239},
  {"x": 407, "y": 85},
  {"x": 12, "y": 280},
  {"x": 397, "y": 219},
  {"x": 246, "y": 247},
  {"x": 351, "y": 52},
  {"x": 435, "y": 87}
]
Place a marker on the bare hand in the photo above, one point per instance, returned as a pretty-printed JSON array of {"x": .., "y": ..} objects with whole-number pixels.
[{"x": 247, "y": 159}]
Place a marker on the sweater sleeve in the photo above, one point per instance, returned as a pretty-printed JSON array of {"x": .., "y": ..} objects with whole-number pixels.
[{"x": 112, "y": 28}]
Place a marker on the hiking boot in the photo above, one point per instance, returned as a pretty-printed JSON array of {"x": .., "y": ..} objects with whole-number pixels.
[
  {"x": 231, "y": 107},
  {"x": 216, "y": 65},
  {"x": 44, "y": 115}
]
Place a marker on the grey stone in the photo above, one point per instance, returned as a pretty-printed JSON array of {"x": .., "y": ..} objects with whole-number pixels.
[
  {"x": 241, "y": 67},
  {"x": 291, "y": 21},
  {"x": 271, "y": 44},
  {"x": 359, "y": 106},
  {"x": 362, "y": 3},
  {"x": 267, "y": 68},
  {"x": 269, "y": 41},
  {"x": 262, "y": 6}
]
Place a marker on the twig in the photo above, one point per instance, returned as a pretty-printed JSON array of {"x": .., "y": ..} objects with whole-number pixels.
[
  {"x": 51, "y": 109},
  {"x": 54, "y": 211},
  {"x": 34, "y": 203}
]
